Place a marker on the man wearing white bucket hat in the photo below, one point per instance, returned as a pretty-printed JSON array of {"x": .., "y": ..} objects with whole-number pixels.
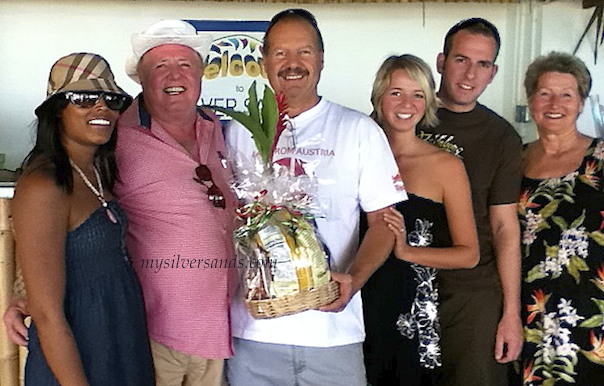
[
  {"x": 174, "y": 189},
  {"x": 173, "y": 186}
]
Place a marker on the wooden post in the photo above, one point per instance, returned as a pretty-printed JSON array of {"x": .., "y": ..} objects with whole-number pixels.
[{"x": 9, "y": 353}]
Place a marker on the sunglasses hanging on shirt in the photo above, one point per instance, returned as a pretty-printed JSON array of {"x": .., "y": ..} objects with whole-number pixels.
[{"x": 204, "y": 177}]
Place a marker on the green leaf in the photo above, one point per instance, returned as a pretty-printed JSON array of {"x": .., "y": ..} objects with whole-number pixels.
[
  {"x": 599, "y": 303},
  {"x": 270, "y": 113},
  {"x": 534, "y": 274},
  {"x": 263, "y": 142},
  {"x": 542, "y": 193},
  {"x": 542, "y": 225},
  {"x": 565, "y": 377},
  {"x": 594, "y": 321},
  {"x": 562, "y": 224},
  {"x": 598, "y": 237},
  {"x": 252, "y": 105},
  {"x": 593, "y": 357},
  {"x": 244, "y": 119},
  {"x": 533, "y": 335},
  {"x": 262, "y": 127},
  {"x": 577, "y": 223},
  {"x": 549, "y": 209},
  {"x": 575, "y": 265},
  {"x": 579, "y": 263},
  {"x": 551, "y": 251},
  {"x": 239, "y": 116},
  {"x": 566, "y": 364},
  {"x": 549, "y": 381},
  {"x": 253, "y": 126}
]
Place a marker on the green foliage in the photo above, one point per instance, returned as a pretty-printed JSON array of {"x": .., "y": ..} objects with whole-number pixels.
[{"x": 261, "y": 121}]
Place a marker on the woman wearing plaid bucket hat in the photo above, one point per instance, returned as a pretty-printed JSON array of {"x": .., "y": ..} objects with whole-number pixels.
[{"x": 88, "y": 323}]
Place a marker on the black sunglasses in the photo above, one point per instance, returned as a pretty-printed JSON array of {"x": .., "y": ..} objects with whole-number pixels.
[
  {"x": 204, "y": 177},
  {"x": 87, "y": 99}
]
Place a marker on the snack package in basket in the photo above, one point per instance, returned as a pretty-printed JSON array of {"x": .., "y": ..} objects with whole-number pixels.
[{"x": 287, "y": 268}]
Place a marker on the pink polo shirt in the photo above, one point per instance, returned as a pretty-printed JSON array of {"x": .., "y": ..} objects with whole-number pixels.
[{"x": 179, "y": 242}]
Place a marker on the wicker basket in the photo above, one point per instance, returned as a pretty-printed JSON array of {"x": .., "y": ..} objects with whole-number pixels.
[{"x": 294, "y": 303}]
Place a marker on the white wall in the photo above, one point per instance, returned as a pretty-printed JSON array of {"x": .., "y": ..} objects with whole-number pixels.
[
  {"x": 358, "y": 37},
  {"x": 561, "y": 32}
]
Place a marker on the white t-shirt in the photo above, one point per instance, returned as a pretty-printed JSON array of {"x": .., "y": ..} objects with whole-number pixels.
[{"x": 350, "y": 157}]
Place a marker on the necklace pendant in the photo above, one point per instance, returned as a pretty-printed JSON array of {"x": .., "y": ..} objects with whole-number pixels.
[{"x": 111, "y": 215}]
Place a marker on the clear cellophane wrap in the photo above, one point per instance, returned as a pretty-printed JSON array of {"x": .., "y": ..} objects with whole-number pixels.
[{"x": 276, "y": 239}]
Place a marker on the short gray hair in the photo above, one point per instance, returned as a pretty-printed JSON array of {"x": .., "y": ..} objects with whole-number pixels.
[{"x": 558, "y": 62}]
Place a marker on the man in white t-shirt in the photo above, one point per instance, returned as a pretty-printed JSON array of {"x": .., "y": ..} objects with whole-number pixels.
[{"x": 349, "y": 156}]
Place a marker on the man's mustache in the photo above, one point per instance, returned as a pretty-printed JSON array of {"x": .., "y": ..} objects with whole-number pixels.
[{"x": 292, "y": 71}]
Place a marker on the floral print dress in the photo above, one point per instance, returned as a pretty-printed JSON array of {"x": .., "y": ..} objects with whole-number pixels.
[{"x": 562, "y": 223}]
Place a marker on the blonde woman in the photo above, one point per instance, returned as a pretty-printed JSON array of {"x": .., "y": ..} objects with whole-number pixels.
[{"x": 400, "y": 299}]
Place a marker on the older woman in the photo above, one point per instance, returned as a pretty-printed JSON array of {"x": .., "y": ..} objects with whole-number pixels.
[
  {"x": 562, "y": 217},
  {"x": 88, "y": 321},
  {"x": 400, "y": 299}
]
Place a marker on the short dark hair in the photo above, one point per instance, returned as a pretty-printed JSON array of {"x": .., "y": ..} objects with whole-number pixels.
[
  {"x": 475, "y": 26},
  {"x": 49, "y": 149},
  {"x": 293, "y": 14}
]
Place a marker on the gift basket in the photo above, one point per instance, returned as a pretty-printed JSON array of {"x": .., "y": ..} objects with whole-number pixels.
[{"x": 286, "y": 268}]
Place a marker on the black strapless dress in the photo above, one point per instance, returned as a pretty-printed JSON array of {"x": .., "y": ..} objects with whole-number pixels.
[{"x": 400, "y": 304}]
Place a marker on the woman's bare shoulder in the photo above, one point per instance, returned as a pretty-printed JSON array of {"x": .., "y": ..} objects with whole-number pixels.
[
  {"x": 443, "y": 161},
  {"x": 38, "y": 183}
]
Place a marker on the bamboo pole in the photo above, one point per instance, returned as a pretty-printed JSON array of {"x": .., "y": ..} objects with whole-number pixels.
[{"x": 9, "y": 353}]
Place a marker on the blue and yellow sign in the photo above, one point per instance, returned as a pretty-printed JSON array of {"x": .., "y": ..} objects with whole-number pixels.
[{"x": 234, "y": 62}]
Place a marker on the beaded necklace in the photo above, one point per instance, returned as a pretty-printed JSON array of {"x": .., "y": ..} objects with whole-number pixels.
[{"x": 98, "y": 193}]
